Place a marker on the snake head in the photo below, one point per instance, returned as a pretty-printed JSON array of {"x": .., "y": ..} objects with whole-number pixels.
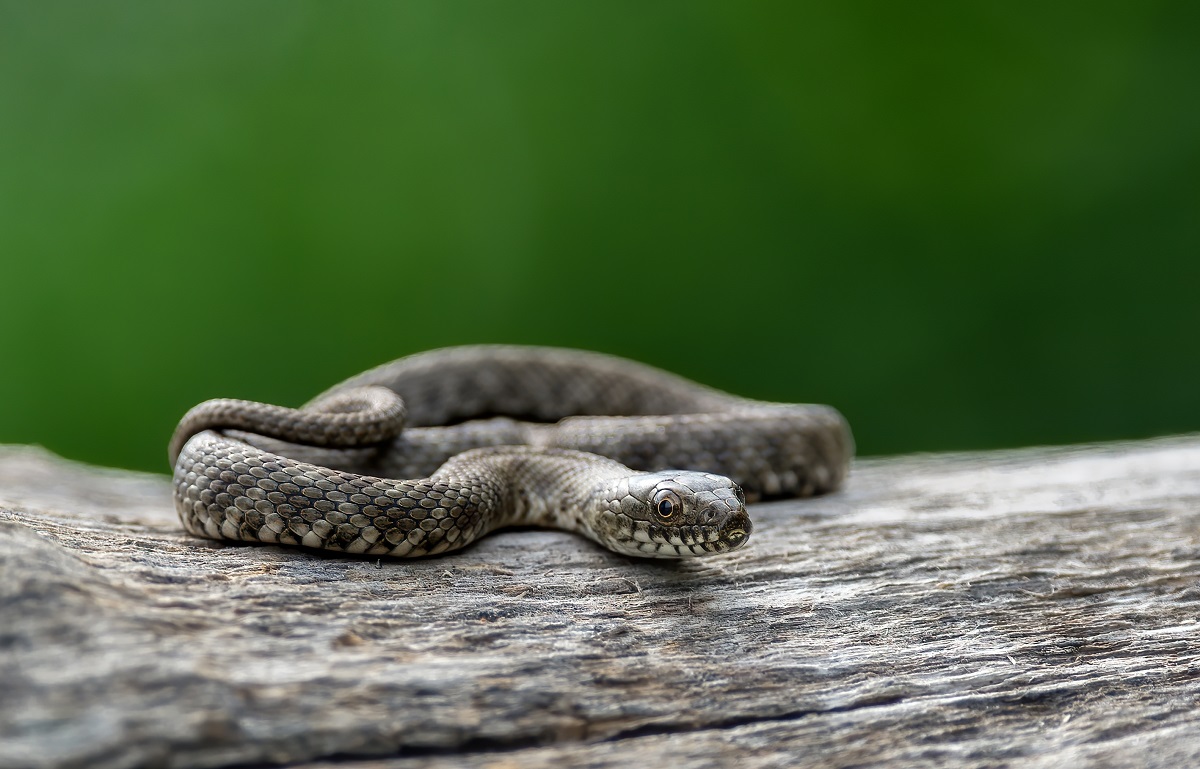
[{"x": 675, "y": 514}]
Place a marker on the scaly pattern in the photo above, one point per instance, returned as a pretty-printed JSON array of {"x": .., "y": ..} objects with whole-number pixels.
[{"x": 486, "y": 437}]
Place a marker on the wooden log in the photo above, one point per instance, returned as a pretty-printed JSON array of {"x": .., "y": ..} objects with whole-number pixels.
[{"x": 1034, "y": 608}]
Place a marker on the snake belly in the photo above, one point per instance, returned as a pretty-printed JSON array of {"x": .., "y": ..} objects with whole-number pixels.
[{"x": 430, "y": 452}]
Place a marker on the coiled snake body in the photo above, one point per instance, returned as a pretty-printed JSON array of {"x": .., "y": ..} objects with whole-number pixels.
[{"x": 501, "y": 436}]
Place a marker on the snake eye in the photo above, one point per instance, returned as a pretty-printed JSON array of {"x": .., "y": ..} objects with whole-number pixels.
[{"x": 667, "y": 504}]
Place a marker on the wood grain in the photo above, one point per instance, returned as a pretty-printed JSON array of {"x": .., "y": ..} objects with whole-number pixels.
[{"x": 1034, "y": 608}]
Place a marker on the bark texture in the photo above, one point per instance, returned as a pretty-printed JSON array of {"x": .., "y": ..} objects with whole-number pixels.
[{"x": 1036, "y": 608}]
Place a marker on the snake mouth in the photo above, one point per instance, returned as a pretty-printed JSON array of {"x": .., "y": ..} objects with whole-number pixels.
[
  {"x": 738, "y": 534},
  {"x": 735, "y": 529},
  {"x": 736, "y": 537},
  {"x": 649, "y": 540}
]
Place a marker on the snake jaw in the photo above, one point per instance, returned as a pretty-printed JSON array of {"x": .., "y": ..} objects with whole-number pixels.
[{"x": 713, "y": 517}]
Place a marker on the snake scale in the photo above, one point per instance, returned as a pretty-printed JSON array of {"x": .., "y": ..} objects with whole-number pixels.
[{"x": 430, "y": 452}]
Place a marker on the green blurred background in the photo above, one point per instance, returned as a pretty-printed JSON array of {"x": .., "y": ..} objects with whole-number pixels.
[{"x": 965, "y": 225}]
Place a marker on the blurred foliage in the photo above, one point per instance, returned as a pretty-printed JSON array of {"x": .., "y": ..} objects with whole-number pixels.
[{"x": 965, "y": 225}]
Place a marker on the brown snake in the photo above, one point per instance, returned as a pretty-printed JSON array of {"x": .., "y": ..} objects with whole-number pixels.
[{"x": 498, "y": 436}]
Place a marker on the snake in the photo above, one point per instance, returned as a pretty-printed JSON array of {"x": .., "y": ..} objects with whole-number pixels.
[{"x": 429, "y": 453}]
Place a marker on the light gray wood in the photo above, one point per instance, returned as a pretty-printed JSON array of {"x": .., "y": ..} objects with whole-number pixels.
[{"x": 1036, "y": 608}]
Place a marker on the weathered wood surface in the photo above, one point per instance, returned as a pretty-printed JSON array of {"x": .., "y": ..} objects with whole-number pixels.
[{"x": 1037, "y": 608}]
